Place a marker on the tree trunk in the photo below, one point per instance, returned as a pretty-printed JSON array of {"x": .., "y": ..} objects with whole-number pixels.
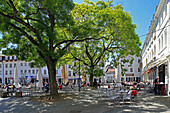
[
  {"x": 51, "y": 65},
  {"x": 91, "y": 80},
  {"x": 91, "y": 76}
]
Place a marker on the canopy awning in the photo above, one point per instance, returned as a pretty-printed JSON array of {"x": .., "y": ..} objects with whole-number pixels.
[{"x": 148, "y": 71}]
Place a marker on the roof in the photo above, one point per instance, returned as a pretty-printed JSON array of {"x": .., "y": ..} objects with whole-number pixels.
[{"x": 110, "y": 71}]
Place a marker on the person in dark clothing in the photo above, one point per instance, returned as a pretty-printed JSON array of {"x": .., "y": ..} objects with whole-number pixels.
[
  {"x": 155, "y": 83},
  {"x": 47, "y": 87},
  {"x": 95, "y": 83}
]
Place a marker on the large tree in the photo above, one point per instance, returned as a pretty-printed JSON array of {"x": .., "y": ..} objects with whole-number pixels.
[
  {"x": 38, "y": 31},
  {"x": 113, "y": 28}
]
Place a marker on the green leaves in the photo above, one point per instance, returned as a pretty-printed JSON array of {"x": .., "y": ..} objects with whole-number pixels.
[
  {"x": 36, "y": 26},
  {"x": 111, "y": 30}
]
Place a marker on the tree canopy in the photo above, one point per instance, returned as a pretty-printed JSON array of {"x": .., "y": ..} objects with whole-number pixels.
[
  {"x": 38, "y": 31},
  {"x": 114, "y": 32}
]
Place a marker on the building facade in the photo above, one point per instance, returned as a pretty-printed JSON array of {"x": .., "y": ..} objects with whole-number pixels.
[
  {"x": 7, "y": 67},
  {"x": 110, "y": 74},
  {"x": 27, "y": 74},
  {"x": 156, "y": 49},
  {"x": 133, "y": 72}
]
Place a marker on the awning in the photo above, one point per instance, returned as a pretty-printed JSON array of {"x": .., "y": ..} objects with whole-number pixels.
[
  {"x": 29, "y": 76},
  {"x": 148, "y": 71}
]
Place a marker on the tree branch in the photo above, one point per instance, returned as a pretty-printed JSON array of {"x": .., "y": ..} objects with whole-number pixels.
[
  {"x": 15, "y": 10},
  {"x": 35, "y": 20},
  {"x": 23, "y": 23},
  {"x": 79, "y": 59},
  {"x": 26, "y": 34},
  {"x": 88, "y": 54}
]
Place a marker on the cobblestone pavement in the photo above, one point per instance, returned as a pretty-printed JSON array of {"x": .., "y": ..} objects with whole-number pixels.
[{"x": 87, "y": 101}]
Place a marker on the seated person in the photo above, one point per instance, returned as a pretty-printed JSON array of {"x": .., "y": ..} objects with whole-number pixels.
[{"x": 47, "y": 87}]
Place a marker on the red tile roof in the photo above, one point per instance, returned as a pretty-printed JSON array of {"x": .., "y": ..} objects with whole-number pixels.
[{"x": 109, "y": 71}]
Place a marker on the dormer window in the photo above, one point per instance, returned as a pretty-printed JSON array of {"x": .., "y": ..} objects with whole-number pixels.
[
  {"x": 6, "y": 58},
  {"x": 10, "y": 57},
  {"x": 15, "y": 58}
]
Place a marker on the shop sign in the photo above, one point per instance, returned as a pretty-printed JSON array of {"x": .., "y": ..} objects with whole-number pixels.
[{"x": 129, "y": 74}]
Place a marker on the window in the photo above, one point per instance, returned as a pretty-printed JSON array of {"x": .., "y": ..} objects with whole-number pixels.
[
  {"x": 138, "y": 69},
  {"x": 25, "y": 64},
  {"x": 10, "y": 72},
  {"x": 74, "y": 73},
  {"x": 128, "y": 79},
  {"x": 122, "y": 79},
  {"x": 160, "y": 20},
  {"x": 69, "y": 73},
  {"x": 6, "y": 72},
  {"x": 131, "y": 69},
  {"x": 45, "y": 72},
  {"x": 10, "y": 65},
  {"x": 37, "y": 71},
  {"x": 0, "y": 72},
  {"x": 137, "y": 79},
  {"x": 10, "y": 57},
  {"x": 29, "y": 71},
  {"x": 138, "y": 60},
  {"x": 25, "y": 71},
  {"x": 154, "y": 50},
  {"x": 15, "y": 57},
  {"x": 6, "y": 65},
  {"x": 154, "y": 37},
  {"x": 0, "y": 66},
  {"x": 56, "y": 71},
  {"x": 14, "y": 64},
  {"x": 6, "y": 57},
  {"x": 159, "y": 45},
  {"x": 21, "y": 64},
  {"x": 1, "y": 58},
  {"x": 21, "y": 71},
  {"x": 162, "y": 42},
  {"x": 165, "y": 38},
  {"x": 33, "y": 71},
  {"x": 165, "y": 8},
  {"x": 69, "y": 66}
]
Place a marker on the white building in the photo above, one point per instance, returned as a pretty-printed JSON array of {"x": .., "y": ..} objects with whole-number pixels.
[
  {"x": 156, "y": 49},
  {"x": 110, "y": 74},
  {"x": 133, "y": 72},
  {"x": 8, "y": 63},
  {"x": 25, "y": 72}
]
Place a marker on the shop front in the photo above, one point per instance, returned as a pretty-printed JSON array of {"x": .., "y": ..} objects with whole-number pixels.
[{"x": 161, "y": 86}]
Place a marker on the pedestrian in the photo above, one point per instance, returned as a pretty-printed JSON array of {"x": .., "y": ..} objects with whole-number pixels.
[
  {"x": 47, "y": 87},
  {"x": 155, "y": 83}
]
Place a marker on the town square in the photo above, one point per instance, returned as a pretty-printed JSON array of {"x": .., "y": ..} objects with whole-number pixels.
[{"x": 84, "y": 56}]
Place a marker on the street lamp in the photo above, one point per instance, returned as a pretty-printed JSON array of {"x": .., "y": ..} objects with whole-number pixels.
[{"x": 79, "y": 75}]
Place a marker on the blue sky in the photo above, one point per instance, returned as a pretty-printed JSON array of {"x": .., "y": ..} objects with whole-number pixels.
[{"x": 141, "y": 11}]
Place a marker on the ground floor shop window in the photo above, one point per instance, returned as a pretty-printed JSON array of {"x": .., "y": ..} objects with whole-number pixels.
[
  {"x": 122, "y": 79},
  {"x": 137, "y": 79},
  {"x": 128, "y": 79}
]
